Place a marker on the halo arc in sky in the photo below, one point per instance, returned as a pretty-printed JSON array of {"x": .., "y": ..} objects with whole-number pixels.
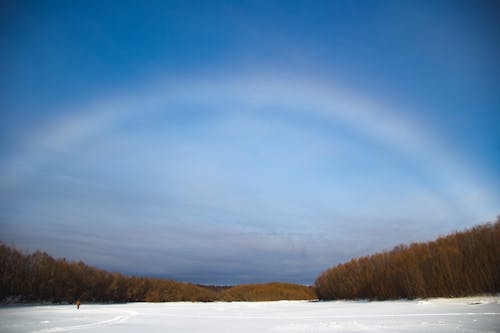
[
  {"x": 242, "y": 168},
  {"x": 294, "y": 95}
]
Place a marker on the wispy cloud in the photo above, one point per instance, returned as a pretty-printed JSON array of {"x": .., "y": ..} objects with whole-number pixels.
[
  {"x": 222, "y": 175},
  {"x": 293, "y": 95}
]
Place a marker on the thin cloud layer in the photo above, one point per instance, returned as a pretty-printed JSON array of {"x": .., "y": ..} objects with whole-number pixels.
[
  {"x": 275, "y": 175},
  {"x": 230, "y": 142}
]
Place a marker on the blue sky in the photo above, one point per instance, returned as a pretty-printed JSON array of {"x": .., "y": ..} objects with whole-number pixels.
[{"x": 245, "y": 141}]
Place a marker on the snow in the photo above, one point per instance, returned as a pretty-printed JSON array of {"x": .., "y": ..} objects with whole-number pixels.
[{"x": 481, "y": 314}]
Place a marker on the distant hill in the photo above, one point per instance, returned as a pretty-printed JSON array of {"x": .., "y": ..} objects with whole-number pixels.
[
  {"x": 38, "y": 277},
  {"x": 461, "y": 264},
  {"x": 268, "y": 292}
]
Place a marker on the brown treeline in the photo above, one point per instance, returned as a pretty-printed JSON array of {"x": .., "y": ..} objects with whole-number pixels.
[
  {"x": 38, "y": 277},
  {"x": 461, "y": 264}
]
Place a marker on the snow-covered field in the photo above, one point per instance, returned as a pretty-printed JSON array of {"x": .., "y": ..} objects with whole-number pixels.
[{"x": 481, "y": 314}]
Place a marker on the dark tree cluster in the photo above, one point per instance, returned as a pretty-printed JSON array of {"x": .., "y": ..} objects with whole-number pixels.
[
  {"x": 461, "y": 264},
  {"x": 38, "y": 277}
]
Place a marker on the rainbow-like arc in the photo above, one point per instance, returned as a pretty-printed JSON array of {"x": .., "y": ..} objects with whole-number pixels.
[{"x": 385, "y": 125}]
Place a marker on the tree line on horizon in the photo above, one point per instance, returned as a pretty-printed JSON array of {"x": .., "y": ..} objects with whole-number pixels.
[
  {"x": 38, "y": 277},
  {"x": 461, "y": 264},
  {"x": 464, "y": 263}
]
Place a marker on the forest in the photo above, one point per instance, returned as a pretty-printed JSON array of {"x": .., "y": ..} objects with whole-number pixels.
[
  {"x": 460, "y": 264},
  {"x": 38, "y": 277}
]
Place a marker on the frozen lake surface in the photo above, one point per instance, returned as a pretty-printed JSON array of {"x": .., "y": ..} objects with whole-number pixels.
[{"x": 479, "y": 314}]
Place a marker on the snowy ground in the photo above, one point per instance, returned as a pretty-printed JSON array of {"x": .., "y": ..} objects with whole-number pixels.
[{"x": 436, "y": 315}]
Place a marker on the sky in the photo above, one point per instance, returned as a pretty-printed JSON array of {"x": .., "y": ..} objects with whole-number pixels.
[{"x": 226, "y": 142}]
